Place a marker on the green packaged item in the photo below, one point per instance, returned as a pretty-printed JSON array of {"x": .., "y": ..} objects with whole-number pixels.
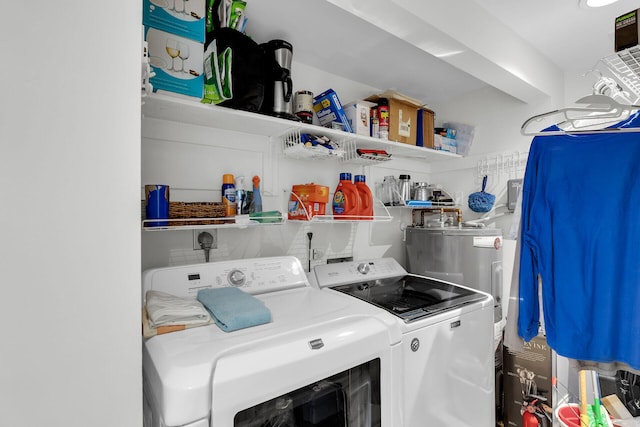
[
  {"x": 270, "y": 217},
  {"x": 217, "y": 74},
  {"x": 236, "y": 15}
]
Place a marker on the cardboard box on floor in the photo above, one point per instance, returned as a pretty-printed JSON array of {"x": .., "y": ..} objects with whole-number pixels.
[
  {"x": 403, "y": 116},
  {"x": 527, "y": 383}
]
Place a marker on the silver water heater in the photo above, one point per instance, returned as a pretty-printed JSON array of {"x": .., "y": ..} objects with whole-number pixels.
[{"x": 470, "y": 257}]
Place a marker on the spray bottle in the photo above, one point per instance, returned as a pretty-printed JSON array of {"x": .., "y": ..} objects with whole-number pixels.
[{"x": 257, "y": 198}]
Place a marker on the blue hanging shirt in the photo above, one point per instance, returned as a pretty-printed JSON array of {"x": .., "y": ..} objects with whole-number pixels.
[{"x": 581, "y": 233}]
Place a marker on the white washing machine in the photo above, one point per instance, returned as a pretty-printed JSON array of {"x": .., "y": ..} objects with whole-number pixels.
[
  {"x": 447, "y": 361},
  {"x": 323, "y": 360}
]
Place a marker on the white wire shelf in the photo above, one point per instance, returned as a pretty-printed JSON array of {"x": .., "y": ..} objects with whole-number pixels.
[
  {"x": 314, "y": 218},
  {"x": 190, "y": 111},
  {"x": 294, "y": 147},
  {"x": 241, "y": 221},
  {"x": 626, "y": 66},
  {"x": 344, "y": 219},
  {"x": 340, "y": 147}
]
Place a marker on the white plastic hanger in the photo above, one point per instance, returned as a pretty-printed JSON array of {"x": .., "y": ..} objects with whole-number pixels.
[{"x": 600, "y": 111}]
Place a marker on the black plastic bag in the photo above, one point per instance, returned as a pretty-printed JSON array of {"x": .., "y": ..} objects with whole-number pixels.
[{"x": 248, "y": 68}]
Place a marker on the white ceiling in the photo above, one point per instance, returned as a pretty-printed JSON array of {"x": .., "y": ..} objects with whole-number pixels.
[
  {"x": 571, "y": 35},
  {"x": 438, "y": 49}
]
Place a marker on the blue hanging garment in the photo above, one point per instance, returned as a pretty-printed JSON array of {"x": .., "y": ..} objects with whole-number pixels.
[{"x": 580, "y": 233}]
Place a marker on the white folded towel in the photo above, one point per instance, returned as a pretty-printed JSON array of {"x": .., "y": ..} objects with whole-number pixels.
[{"x": 165, "y": 309}]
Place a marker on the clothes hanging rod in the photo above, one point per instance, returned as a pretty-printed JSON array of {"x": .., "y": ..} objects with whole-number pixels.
[
  {"x": 601, "y": 108},
  {"x": 584, "y": 132}
]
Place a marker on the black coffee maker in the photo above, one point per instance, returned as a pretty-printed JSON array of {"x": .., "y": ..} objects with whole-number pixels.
[{"x": 278, "y": 94}]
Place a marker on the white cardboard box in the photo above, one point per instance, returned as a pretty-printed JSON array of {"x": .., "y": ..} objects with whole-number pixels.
[
  {"x": 359, "y": 115},
  {"x": 179, "y": 74},
  {"x": 185, "y": 18}
]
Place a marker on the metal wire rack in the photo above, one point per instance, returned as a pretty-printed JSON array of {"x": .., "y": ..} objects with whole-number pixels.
[
  {"x": 626, "y": 67},
  {"x": 344, "y": 149}
]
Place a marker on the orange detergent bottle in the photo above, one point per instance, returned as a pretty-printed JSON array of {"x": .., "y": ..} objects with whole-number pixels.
[
  {"x": 346, "y": 200},
  {"x": 366, "y": 198}
]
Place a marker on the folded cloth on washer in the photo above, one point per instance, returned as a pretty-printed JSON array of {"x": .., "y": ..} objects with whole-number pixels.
[
  {"x": 165, "y": 309},
  {"x": 233, "y": 309}
]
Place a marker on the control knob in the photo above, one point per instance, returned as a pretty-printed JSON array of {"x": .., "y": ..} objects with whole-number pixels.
[
  {"x": 236, "y": 278},
  {"x": 363, "y": 268}
]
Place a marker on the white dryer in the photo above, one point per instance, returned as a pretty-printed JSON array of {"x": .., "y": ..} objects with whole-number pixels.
[
  {"x": 323, "y": 360},
  {"x": 447, "y": 362}
]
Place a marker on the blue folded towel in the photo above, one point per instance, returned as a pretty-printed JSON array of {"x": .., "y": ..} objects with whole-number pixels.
[{"x": 233, "y": 308}]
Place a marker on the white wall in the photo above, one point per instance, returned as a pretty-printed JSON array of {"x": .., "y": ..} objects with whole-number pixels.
[
  {"x": 496, "y": 116},
  {"x": 192, "y": 161},
  {"x": 497, "y": 119},
  {"x": 69, "y": 258},
  {"x": 499, "y": 150},
  {"x": 70, "y": 168}
]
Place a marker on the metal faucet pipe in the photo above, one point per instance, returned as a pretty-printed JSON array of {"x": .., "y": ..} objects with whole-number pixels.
[{"x": 441, "y": 211}]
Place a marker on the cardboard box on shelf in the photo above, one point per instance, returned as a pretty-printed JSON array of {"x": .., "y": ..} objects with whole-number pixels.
[
  {"x": 328, "y": 109},
  {"x": 180, "y": 17},
  {"x": 627, "y": 31},
  {"x": 176, "y": 61},
  {"x": 307, "y": 201},
  {"x": 359, "y": 115},
  {"x": 403, "y": 116},
  {"x": 425, "y": 128},
  {"x": 527, "y": 383}
]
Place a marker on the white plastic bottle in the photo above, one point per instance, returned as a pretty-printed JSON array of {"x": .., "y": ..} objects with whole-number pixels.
[{"x": 241, "y": 196}]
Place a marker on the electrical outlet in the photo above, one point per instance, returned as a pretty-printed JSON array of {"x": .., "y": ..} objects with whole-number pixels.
[{"x": 196, "y": 243}]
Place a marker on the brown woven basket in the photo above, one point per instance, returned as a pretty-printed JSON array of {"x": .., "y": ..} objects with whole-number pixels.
[{"x": 192, "y": 210}]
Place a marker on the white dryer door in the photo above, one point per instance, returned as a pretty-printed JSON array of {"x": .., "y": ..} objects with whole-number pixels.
[{"x": 263, "y": 372}]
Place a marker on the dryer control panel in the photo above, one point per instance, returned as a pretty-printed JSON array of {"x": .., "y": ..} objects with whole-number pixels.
[{"x": 254, "y": 276}]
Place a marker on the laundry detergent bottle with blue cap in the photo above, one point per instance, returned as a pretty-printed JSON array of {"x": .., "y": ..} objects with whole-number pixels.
[
  {"x": 346, "y": 200},
  {"x": 366, "y": 198}
]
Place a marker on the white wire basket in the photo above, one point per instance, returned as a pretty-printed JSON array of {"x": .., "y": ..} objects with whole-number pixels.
[
  {"x": 345, "y": 148},
  {"x": 353, "y": 156},
  {"x": 293, "y": 147},
  {"x": 626, "y": 66}
]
